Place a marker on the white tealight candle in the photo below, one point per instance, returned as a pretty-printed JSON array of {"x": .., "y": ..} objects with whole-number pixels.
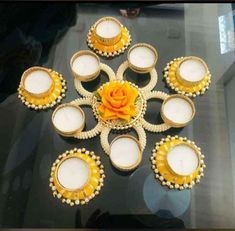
[
  {"x": 73, "y": 173},
  {"x": 178, "y": 110},
  {"x": 108, "y": 29},
  {"x": 68, "y": 119},
  {"x": 142, "y": 57},
  {"x": 85, "y": 65},
  {"x": 183, "y": 159},
  {"x": 38, "y": 82},
  {"x": 125, "y": 152},
  {"x": 192, "y": 70}
]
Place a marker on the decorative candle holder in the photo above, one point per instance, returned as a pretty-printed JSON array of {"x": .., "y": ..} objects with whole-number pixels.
[
  {"x": 177, "y": 110},
  {"x": 108, "y": 31},
  {"x": 85, "y": 65},
  {"x": 125, "y": 152},
  {"x": 41, "y": 88},
  {"x": 191, "y": 71},
  {"x": 108, "y": 37},
  {"x": 68, "y": 119},
  {"x": 76, "y": 176},
  {"x": 177, "y": 162},
  {"x": 188, "y": 76},
  {"x": 37, "y": 81},
  {"x": 142, "y": 58}
]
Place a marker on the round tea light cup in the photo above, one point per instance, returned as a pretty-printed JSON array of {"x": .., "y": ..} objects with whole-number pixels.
[
  {"x": 125, "y": 152},
  {"x": 73, "y": 173},
  {"x": 191, "y": 71},
  {"x": 142, "y": 57},
  {"x": 37, "y": 81},
  {"x": 183, "y": 159},
  {"x": 85, "y": 65},
  {"x": 68, "y": 119},
  {"x": 177, "y": 110},
  {"x": 108, "y": 31}
]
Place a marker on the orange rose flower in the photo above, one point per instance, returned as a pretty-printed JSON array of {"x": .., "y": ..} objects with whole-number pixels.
[{"x": 117, "y": 101}]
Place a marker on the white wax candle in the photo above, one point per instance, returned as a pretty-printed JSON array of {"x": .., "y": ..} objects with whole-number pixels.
[
  {"x": 142, "y": 57},
  {"x": 38, "y": 82},
  {"x": 192, "y": 70},
  {"x": 73, "y": 173},
  {"x": 108, "y": 29},
  {"x": 68, "y": 119},
  {"x": 183, "y": 159},
  {"x": 85, "y": 65},
  {"x": 178, "y": 110},
  {"x": 125, "y": 152}
]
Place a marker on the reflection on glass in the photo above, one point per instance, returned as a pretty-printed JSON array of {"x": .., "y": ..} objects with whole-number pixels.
[
  {"x": 226, "y": 32},
  {"x": 164, "y": 202}
]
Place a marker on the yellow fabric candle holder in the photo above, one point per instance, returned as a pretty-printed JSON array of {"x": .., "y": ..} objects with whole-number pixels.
[
  {"x": 47, "y": 100},
  {"x": 93, "y": 185},
  {"x": 178, "y": 84},
  {"x": 165, "y": 173},
  {"x": 108, "y": 47}
]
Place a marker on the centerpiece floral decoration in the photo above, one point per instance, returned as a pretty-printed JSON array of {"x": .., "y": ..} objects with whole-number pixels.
[{"x": 117, "y": 101}]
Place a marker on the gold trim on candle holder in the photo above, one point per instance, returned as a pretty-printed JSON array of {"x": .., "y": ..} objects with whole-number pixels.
[
  {"x": 56, "y": 180},
  {"x": 105, "y": 133},
  {"x": 33, "y": 69},
  {"x": 165, "y": 173},
  {"x": 108, "y": 41},
  {"x": 110, "y": 50},
  {"x": 173, "y": 82},
  {"x": 189, "y": 145},
  {"x": 155, "y": 127},
  {"x": 82, "y": 91},
  {"x": 76, "y": 131},
  {"x": 87, "y": 192},
  {"x": 170, "y": 122},
  {"x": 142, "y": 69},
  {"x": 86, "y": 78},
  {"x": 186, "y": 82},
  {"x": 51, "y": 99},
  {"x": 132, "y": 167}
]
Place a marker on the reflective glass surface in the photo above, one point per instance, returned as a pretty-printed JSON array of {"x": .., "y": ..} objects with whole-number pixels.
[{"x": 48, "y": 34}]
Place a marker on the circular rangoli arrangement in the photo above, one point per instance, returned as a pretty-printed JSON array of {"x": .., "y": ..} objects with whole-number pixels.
[{"x": 77, "y": 175}]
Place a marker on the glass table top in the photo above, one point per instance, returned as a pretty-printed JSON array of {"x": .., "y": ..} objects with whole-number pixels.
[{"x": 47, "y": 35}]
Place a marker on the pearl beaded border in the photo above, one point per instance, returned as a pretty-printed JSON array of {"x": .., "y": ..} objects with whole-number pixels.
[
  {"x": 48, "y": 105},
  {"x": 77, "y": 201},
  {"x": 173, "y": 87},
  {"x": 153, "y": 77},
  {"x": 105, "y": 133},
  {"x": 155, "y": 127},
  {"x": 94, "y": 131},
  {"x": 82, "y": 91},
  {"x": 115, "y": 52},
  {"x": 160, "y": 176}
]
